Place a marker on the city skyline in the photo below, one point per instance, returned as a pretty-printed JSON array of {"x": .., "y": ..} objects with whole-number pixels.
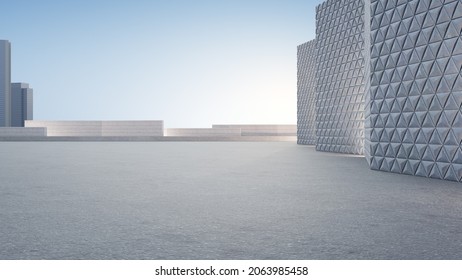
[
  {"x": 16, "y": 99},
  {"x": 187, "y": 64}
]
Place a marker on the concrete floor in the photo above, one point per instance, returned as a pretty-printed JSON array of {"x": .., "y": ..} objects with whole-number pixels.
[{"x": 227, "y": 200}]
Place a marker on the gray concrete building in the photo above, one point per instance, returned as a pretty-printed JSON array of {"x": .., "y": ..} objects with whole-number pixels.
[
  {"x": 5, "y": 83},
  {"x": 340, "y": 76},
  {"x": 416, "y": 88},
  {"x": 21, "y": 104},
  {"x": 306, "y": 97},
  {"x": 389, "y": 84}
]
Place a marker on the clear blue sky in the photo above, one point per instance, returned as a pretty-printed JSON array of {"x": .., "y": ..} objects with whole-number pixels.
[{"x": 189, "y": 63}]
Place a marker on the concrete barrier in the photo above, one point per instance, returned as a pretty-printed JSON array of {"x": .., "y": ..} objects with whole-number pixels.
[
  {"x": 100, "y": 128},
  {"x": 23, "y": 132},
  {"x": 261, "y": 130},
  {"x": 203, "y": 132}
]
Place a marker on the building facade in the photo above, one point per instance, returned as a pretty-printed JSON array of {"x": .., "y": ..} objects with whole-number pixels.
[
  {"x": 21, "y": 104},
  {"x": 306, "y": 98},
  {"x": 340, "y": 76},
  {"x": 393, "y": 70},
  {"x": 416, "y": 88},
  {"x": 5, "y": 83}
]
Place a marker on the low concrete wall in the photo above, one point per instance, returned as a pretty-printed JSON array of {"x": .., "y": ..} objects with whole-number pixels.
[
  {"x": 145, "y": 131},
  {"x": 68, "y": 128},
  {"x": 100, "y": 128},
  {"x": 23, "y": 132},
  {"x": 203, "y": 132},
  {"x": 261, "y": 129},
  {"x": 150, "y": 139},
  {"x": 232, "y": 138},
  {"x": 132, "y": 128}
]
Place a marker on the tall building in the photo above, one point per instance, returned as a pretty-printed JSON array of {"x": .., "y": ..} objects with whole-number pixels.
[
  {"x": 21, "y": 104},
  {"x": 416, "y": 88},
  {"x": 389, "y": 84},
  {"x": 5, "y": 83},
  {"x": 340, "y": 76},
  {"x": 306, "y": 98}
]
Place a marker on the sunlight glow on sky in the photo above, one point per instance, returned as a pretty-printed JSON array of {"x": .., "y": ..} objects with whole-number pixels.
[{"x": 189, "y": 63}]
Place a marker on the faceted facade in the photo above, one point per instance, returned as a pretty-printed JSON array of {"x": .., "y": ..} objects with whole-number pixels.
[
  {"x": 306, "y": 98},
  {"x": 5, "y": 83},
  {"x": 340, "y": 76},
  {"x": 367, "y": 82},
  {"x": 21, "y": 104},
  {"x": 416, "y": 87}
]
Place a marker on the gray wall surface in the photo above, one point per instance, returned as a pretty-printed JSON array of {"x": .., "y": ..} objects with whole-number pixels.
[
  {"x": 261, "y": 129},
  {"x": 416, "y": 88},
  {"x": 100, "y": 128},
  {"x": 23, "y": 131},
  {"x": 5, "y": 83},
  {"x": 203, "y": 132},
  {"x": 306, "y": 98},
  {"x": 340, "y": 86},
  {"x": 132, "y": 128},
  {"x": 367, "y": 82},
  {"x": 21, "y": 104}
]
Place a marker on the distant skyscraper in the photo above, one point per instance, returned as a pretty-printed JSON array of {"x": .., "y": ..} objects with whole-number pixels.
[
  {"x": 21, "y": 104},
  {"x": 5, "y": 83}
]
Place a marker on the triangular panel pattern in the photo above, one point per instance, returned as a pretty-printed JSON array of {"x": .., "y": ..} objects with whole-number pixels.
[
  {"x": 416, "y": 87},
  {"x": 367, "y": 86},
  {"x": 340, "y": 79},
  {"x": 306, "y": 101}
]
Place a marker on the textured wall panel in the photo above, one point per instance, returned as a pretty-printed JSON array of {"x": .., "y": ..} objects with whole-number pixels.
[
  {"x": 306, "y": 99},
  {"x": 340, "y": 79},
  {"x": 416, "y": 87},
  {"x": 367, "y": 80}
]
